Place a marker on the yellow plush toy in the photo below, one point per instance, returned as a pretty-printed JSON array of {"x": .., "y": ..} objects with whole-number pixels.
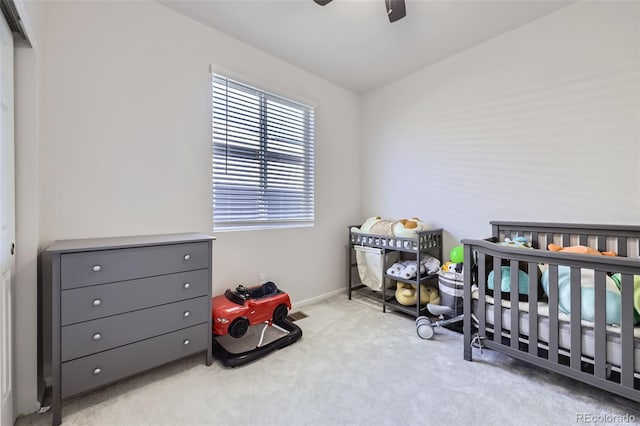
[{"x": 407, "y": 295}]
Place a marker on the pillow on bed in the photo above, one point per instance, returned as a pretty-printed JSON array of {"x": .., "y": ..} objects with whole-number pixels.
[
  {"x": 505, "y": 284},
  {"x": 636, "y": 293},
  {"x": 587, "y": 283}
]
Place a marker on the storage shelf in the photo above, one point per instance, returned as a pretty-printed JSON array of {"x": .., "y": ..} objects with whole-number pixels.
[
  {"x": 392, "y": 303},
  {"x": 427, "y": 242},
  {"x": 413, "y": 281}
]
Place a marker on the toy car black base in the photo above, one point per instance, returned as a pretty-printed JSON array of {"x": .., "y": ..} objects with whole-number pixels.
[{"x": 230, "y": 359}]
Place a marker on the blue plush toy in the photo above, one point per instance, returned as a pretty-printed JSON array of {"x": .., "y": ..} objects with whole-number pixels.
[{"x": 516, "y": 242}]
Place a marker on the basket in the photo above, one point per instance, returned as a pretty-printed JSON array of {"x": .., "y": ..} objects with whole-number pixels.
[
  {"x": 372, "y": 264},
  {"x": 451, "y": 287}
]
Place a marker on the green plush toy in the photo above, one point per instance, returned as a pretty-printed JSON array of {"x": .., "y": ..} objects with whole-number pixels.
[{"x": 636, "y": 293}]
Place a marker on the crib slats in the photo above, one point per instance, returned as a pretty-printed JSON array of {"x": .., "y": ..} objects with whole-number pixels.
[
  {"x": 535, "y": 240},
  {"x": 482, "y": 285},
  {"x": 553, "y": 313},
  {"x": 600, "y": 368},
  {"x": 626, "y": 331},
  {"x": 622, "y": 246},
  {"x": 533, "y": 308},
  {"x": 583, "y": 240},
  {"x": 497, "y": 297},
  {"x": 576, "y": 314},
  {"x": 602, "y": 243},
  {"x": 513, "y": 298},
  {"x": 566, "y": 240},
  {"x": 549, "y": 238}
]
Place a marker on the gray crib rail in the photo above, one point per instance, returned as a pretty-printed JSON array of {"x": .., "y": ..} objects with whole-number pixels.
[{"x": 624, "y": 238}]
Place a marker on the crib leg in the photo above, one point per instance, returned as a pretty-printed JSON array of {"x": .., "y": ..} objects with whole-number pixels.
[
  {"x": 468, "y": 340},
  {"x": 476, "y": 342}
]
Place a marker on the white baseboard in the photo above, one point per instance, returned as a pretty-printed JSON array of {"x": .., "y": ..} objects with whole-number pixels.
[{"x": 316, "y": 299}]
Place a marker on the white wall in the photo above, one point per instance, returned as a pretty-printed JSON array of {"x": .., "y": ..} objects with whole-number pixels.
[
  {"x": 540, "y": 124},
  {"x": 27, "y": 92},
  {"x": 126, "y": 146}
]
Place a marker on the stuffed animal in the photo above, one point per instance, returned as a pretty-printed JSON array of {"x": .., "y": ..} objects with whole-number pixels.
[
  {"x": 365, "y": 228},
  {"x": 407, "y": 228},
  {"x": 406, "y": 294},
  {"x": 408, "y": 269},
  {"x": 579, "y": 250},
  {"x": 516, "y": 242},
  {"x": 455, "y": 267},
  {"x": 397, "y": 268},
  {"x": 431, "y": 264},
  {"x": 391, "y": 228},
  {"x": 446, "y": 267},
  {"x": 376, "y": 225}
]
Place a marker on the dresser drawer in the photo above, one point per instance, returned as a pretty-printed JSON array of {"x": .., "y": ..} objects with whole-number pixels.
[
  {"x": 94, "y": 336},
  {"x": 99, "y": 369},
  {"x": 104, "y": 266},
  {"x": 87, "y": 303}
]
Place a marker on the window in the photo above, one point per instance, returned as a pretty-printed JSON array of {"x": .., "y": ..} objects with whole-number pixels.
[{"x": 262, "y": 158}]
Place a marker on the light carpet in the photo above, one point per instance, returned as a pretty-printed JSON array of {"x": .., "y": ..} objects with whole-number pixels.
[{"x": 353, "y": 366}]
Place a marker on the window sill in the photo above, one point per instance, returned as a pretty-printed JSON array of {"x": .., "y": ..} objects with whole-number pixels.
[{"x": 270, "y": 226}]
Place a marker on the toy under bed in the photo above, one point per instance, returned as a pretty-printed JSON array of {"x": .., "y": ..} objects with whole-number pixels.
[{"x": 606, "y": 354}]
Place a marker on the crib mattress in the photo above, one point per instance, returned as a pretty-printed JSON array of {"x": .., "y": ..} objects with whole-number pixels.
[{"x": 564, "y": 331}]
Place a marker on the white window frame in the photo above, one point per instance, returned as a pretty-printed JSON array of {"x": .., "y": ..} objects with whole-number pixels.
[{"x": 262, "y": 158}]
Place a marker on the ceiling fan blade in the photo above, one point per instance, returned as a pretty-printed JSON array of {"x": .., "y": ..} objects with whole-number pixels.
[
  {"x": 396, "y": 9},
  {"x": 322, "y": 2}
]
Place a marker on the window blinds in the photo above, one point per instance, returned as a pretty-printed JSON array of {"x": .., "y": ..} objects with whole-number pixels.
[{"x": 263, "y": 158}]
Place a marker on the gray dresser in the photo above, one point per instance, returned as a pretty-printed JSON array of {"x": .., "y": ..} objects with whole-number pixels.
[{"x": 113, "y": 307}]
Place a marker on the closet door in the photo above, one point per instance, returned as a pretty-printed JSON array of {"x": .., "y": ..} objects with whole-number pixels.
[{"x": 7, "y": 224}]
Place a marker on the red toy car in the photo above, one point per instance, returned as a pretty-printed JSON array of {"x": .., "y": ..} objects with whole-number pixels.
[{"x": 234, "y": 311}]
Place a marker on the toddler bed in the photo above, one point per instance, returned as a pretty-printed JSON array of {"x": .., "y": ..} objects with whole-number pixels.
[{"x": 574, "y": 314}]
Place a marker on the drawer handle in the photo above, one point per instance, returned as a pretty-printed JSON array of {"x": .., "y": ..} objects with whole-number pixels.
[
  {"x": 97, "y": 336},
  {"x": 96, "y": 302},
  {"x": 186, "y": 257},
  {"x": 186, "y": 314},
  {"x": 97, "y": 268},
  {"x": 186, "y": 342},
  {"x": 97, "y": 371},
  {"x": 186, "y": 285}
]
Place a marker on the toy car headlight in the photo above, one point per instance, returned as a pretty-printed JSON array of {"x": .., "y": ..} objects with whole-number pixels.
[{"x": 222, "y": 320}]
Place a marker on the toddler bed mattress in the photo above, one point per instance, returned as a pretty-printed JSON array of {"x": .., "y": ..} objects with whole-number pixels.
[{"x": 564, "y": 330}]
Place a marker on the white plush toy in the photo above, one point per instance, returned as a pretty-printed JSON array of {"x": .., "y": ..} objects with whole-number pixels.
[
  {"x": 431, "y": 264},
  {"x": 366, "y": 226},
  {"x": 408, "y": 269},
  {"x": 397, "y": 268}
]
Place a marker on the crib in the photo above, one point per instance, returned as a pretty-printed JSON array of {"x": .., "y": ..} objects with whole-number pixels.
[{"x": 553, "y": 327}]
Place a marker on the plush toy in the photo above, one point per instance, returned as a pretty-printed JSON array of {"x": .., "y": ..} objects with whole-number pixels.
[
  {"x": 376, "y": 225},
  {"x": 408, "y": 269},
  {"x": 431, "y": 264},
  {"x": 407, "y": 228},
  {"x": 447, "y": 266},
  {"x": 391, "y": 228},
  {"x": 516, "y": 242},
  {"x": 366, "y": 225},
  {"x": 406, "y": 294},
  {"x": 579, "y": 250},
  {"x": 397, "y": 268},
  {"x": 455, "y": 267}
]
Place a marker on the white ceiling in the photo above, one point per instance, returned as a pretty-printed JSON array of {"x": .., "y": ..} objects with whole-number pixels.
[{"x": 352, "y": 43}]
